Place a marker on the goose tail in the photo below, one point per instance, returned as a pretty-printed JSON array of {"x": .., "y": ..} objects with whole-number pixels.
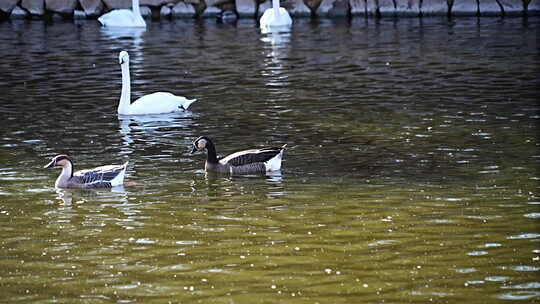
[
  {"x": 274, "y": 164},
  {"x": 186, "y": 103},
  {"x": 118, "y": 180}
]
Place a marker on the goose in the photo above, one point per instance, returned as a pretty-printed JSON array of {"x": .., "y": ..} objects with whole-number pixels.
[
  {"x": 242, "y": 162},
  {"x": 100, "y": 177},
  {"x": 124, "y": 17},
  {"x": 275, "y": 17},
  {"x": 155, "y": 103}
]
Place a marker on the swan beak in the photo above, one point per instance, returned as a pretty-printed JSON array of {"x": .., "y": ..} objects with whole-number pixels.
[
  {"x": 194, "y": 150},
  {"x": 51, "y": 164}
]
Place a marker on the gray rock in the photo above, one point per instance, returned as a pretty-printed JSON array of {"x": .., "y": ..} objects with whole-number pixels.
[
  {"x": 489, "y": 8},
  {"x": 117, "y": 4},
  {"x": 183, "y": 10},
  {"x": 146, "y": 12},
  {"x": 18, "y": 13},
  {"x": 263, "y": 7},
  {"x": 371, "y": 7},
  {"x": 228, "y": 16},
  {"x": 512, "y": 7},
  {"x": 78, "y": 14},
  {"x": 313, "y": 5},
  {"x": 156, "y": 3},
  {"x": 194, "y": 2},
  {"x": 246, "y": 8},
  {"x": 297, "y": 8},
  {"x": 401, "y": 8},
  {"x": 341, "y": 8},
  {"x": 165, "y": 12},
  {"x": 408, "y": 8},
  {"x": 333, "y": 8},
  {"x": 533, "y": 7},
  {"x": 434, "y": 8},
  {"x": 7, "y": 6},
  {"x": 464, "y": 8},
  {"x": 211, "y": 12},
  {"x": 34, "y": 7},
  {"x": 386, "y": 7},
  {"x": 217, "y": 3},
  {"x": 61, "y": 6},
  {"x": 92, "y": 8},
  {"x": 358, "y": 7}
]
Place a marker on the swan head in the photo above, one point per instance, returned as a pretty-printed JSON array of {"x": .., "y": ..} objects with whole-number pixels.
[
  {"x": 123, "y": 57},
  {"x": 61, "y": 160},
  {"x": 200, "y": 144}
]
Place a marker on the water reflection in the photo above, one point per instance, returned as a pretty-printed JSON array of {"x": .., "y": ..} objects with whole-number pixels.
[
  {"x": 130, "y": 38},
  {"x": 277, "y": 48},
  {"x": 79, "y": 196},
  {"x": 153, "y": 128}
]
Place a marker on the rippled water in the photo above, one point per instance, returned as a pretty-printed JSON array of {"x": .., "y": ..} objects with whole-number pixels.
[{"x": 412, "y": 172}]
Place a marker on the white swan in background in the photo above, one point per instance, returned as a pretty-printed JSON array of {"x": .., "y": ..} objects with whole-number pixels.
[
  {"x": 155, "y": 103},
  {"x": 124, "y": 17},
  {"x": 275, "y": 17}
]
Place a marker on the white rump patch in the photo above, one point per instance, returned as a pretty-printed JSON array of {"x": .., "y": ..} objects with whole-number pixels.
[{"x": 274, "y": 164}]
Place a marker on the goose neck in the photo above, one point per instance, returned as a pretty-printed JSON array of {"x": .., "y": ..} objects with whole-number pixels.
[
  {"x": 211, "y": 153},
  {"x": 65, "y": 175}
]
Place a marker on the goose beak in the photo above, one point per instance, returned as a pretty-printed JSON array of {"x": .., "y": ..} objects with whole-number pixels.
[
  {"x": 51, "y": 164},
  {"x": 194, "y": 150}
]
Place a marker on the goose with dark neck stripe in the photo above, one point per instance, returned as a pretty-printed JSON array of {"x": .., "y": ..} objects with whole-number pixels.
[
  {"x": 243, "y": 162},
  {"x": 100, "y": 177}
]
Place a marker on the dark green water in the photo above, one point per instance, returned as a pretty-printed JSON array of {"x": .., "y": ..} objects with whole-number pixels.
[{"x": 412, "y": 173}]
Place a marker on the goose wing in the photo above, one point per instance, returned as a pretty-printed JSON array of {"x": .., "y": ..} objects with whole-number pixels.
[
  {"x": 104, "y": 176},
  {"x": 250, "y": 156}
]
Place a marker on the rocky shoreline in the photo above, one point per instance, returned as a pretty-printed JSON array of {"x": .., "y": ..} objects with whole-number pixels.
[{"x": 170, "y": 9}]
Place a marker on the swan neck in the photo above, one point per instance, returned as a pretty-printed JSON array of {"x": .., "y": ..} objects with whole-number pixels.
[
  {"x": 135, "y": 7},
  {"x": 125, "y": 97},
  {"x": 275, "y": 7}
]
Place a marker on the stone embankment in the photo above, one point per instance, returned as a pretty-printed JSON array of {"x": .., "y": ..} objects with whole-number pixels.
[{"x": 167, "y": 9}]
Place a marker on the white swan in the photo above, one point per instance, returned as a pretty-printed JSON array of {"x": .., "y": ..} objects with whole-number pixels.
[
  {"x": 124, "y": 17},
  {"x": 275, "y": 17},
  {"x": 155, "y": 103}
]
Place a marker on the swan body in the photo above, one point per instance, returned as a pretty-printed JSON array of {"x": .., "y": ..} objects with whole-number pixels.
[
  {"x": 100, "y": 177},
  {"x": 243, "y": 162},
  {"x": 155, "y": 103},
  {"x": 275, "y": 17},
  {"x": 124, "y": 17}
]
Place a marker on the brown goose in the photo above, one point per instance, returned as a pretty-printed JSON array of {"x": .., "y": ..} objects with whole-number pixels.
[
  {"x": 100, "y": 177},
  {"x": 242, "y": 162}
]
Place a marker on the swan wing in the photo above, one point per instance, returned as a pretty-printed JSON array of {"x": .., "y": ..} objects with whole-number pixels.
[
  {"x": 121, "y": 17},
  {"x": 269, "y": 19},
  {"x": 159, "y": 102}
]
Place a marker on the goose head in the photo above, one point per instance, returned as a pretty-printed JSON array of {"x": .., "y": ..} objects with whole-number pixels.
[
  {"x": 200, "y": 144},
  {"x": 123, "y": 57},
  {"x": 59, "y": 161}
]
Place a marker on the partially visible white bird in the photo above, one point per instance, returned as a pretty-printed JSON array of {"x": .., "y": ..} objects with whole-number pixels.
[
  {"x": 124, "y": 17},
  {"x": 155, "y": 103},
  {"x": 275, "y": 18}
]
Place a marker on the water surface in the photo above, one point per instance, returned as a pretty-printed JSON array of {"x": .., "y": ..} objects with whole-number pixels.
[{"x": 411, "y": 173}]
